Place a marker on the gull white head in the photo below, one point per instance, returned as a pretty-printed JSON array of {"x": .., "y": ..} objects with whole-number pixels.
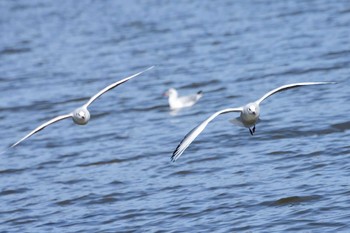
[
  {"x": 171, "y": 93},
  {"x": 251, "y": 111},
  {"x": 81, "y": 116}
]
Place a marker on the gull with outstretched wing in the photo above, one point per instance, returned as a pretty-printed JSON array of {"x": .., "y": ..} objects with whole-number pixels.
[
  {"x": 249, "y": 117},
  {"x": 81, "y": 115}
]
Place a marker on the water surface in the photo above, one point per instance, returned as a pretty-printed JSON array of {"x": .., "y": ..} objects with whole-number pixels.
[{"x": 115, "y": 174}]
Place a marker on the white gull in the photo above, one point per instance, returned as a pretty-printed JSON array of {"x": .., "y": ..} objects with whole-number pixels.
[
  {"x": 81, "y": 115},
  {"x": 177, "y": 102},
  {"x": 249, "y": 117}
]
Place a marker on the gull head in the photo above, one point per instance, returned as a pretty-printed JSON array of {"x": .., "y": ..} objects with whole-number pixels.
[
  {"x": 81, "y": 116},
  {"x": 252, "y": 110},
  {"x": 171, "y": 93}
]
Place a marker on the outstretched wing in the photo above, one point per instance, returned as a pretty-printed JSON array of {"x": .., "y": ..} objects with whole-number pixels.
[
  {"x": 289, "y": 86},
  {"x": 41, "y": 127},
  {"x": 113, "y": 85},
  {"x": 189, "y": 138}
]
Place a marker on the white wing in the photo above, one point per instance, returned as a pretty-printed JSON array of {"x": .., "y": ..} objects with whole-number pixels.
[
  {"x": 190, "y": 99},
  {"x": 42, "y": 127},
  {"x": 189, "y": 138},
  {"x": 289, "y": 86},
  {"x": 113, "y": 85}
]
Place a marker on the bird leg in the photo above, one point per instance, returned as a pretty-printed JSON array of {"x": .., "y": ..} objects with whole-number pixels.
[{"x": 252, "y": 131}]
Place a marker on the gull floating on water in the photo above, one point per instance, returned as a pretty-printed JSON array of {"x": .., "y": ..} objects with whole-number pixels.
[
  {"x": 177, "y": 102},
  {"x": 249, "y": 117},
  {"x": 81, "y": 115}
]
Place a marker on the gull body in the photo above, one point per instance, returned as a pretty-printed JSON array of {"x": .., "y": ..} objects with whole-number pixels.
[
  {"x": 81, "y": 115},
  {"x": 177, "y": 102},
  {"x": 249, "y": 117}
]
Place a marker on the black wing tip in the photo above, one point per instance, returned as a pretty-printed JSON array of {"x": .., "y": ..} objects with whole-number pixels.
[
  {"x": 174, "y": 157},
  {"x": 176, "y": 153},
  {"x": 14, "y": 145},
  {"x": 200, "y": 92}
]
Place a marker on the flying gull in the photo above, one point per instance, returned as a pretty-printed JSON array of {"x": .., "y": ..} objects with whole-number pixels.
[
  {"x": 81, "y": 115},
  {"x": 249, "y": 117}
]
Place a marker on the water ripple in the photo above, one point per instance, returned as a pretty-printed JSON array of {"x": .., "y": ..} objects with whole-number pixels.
[
  {"x": 115, "y": 174},
  {"x": 293, "y": 200}
]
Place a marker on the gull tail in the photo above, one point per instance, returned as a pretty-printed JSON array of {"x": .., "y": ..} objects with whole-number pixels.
[
  {"x": 199, "y": 94},
  {"x": 237, "y": 121}
]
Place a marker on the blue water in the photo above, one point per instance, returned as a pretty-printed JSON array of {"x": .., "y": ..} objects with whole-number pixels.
[{"x": 115, "y": 174}]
